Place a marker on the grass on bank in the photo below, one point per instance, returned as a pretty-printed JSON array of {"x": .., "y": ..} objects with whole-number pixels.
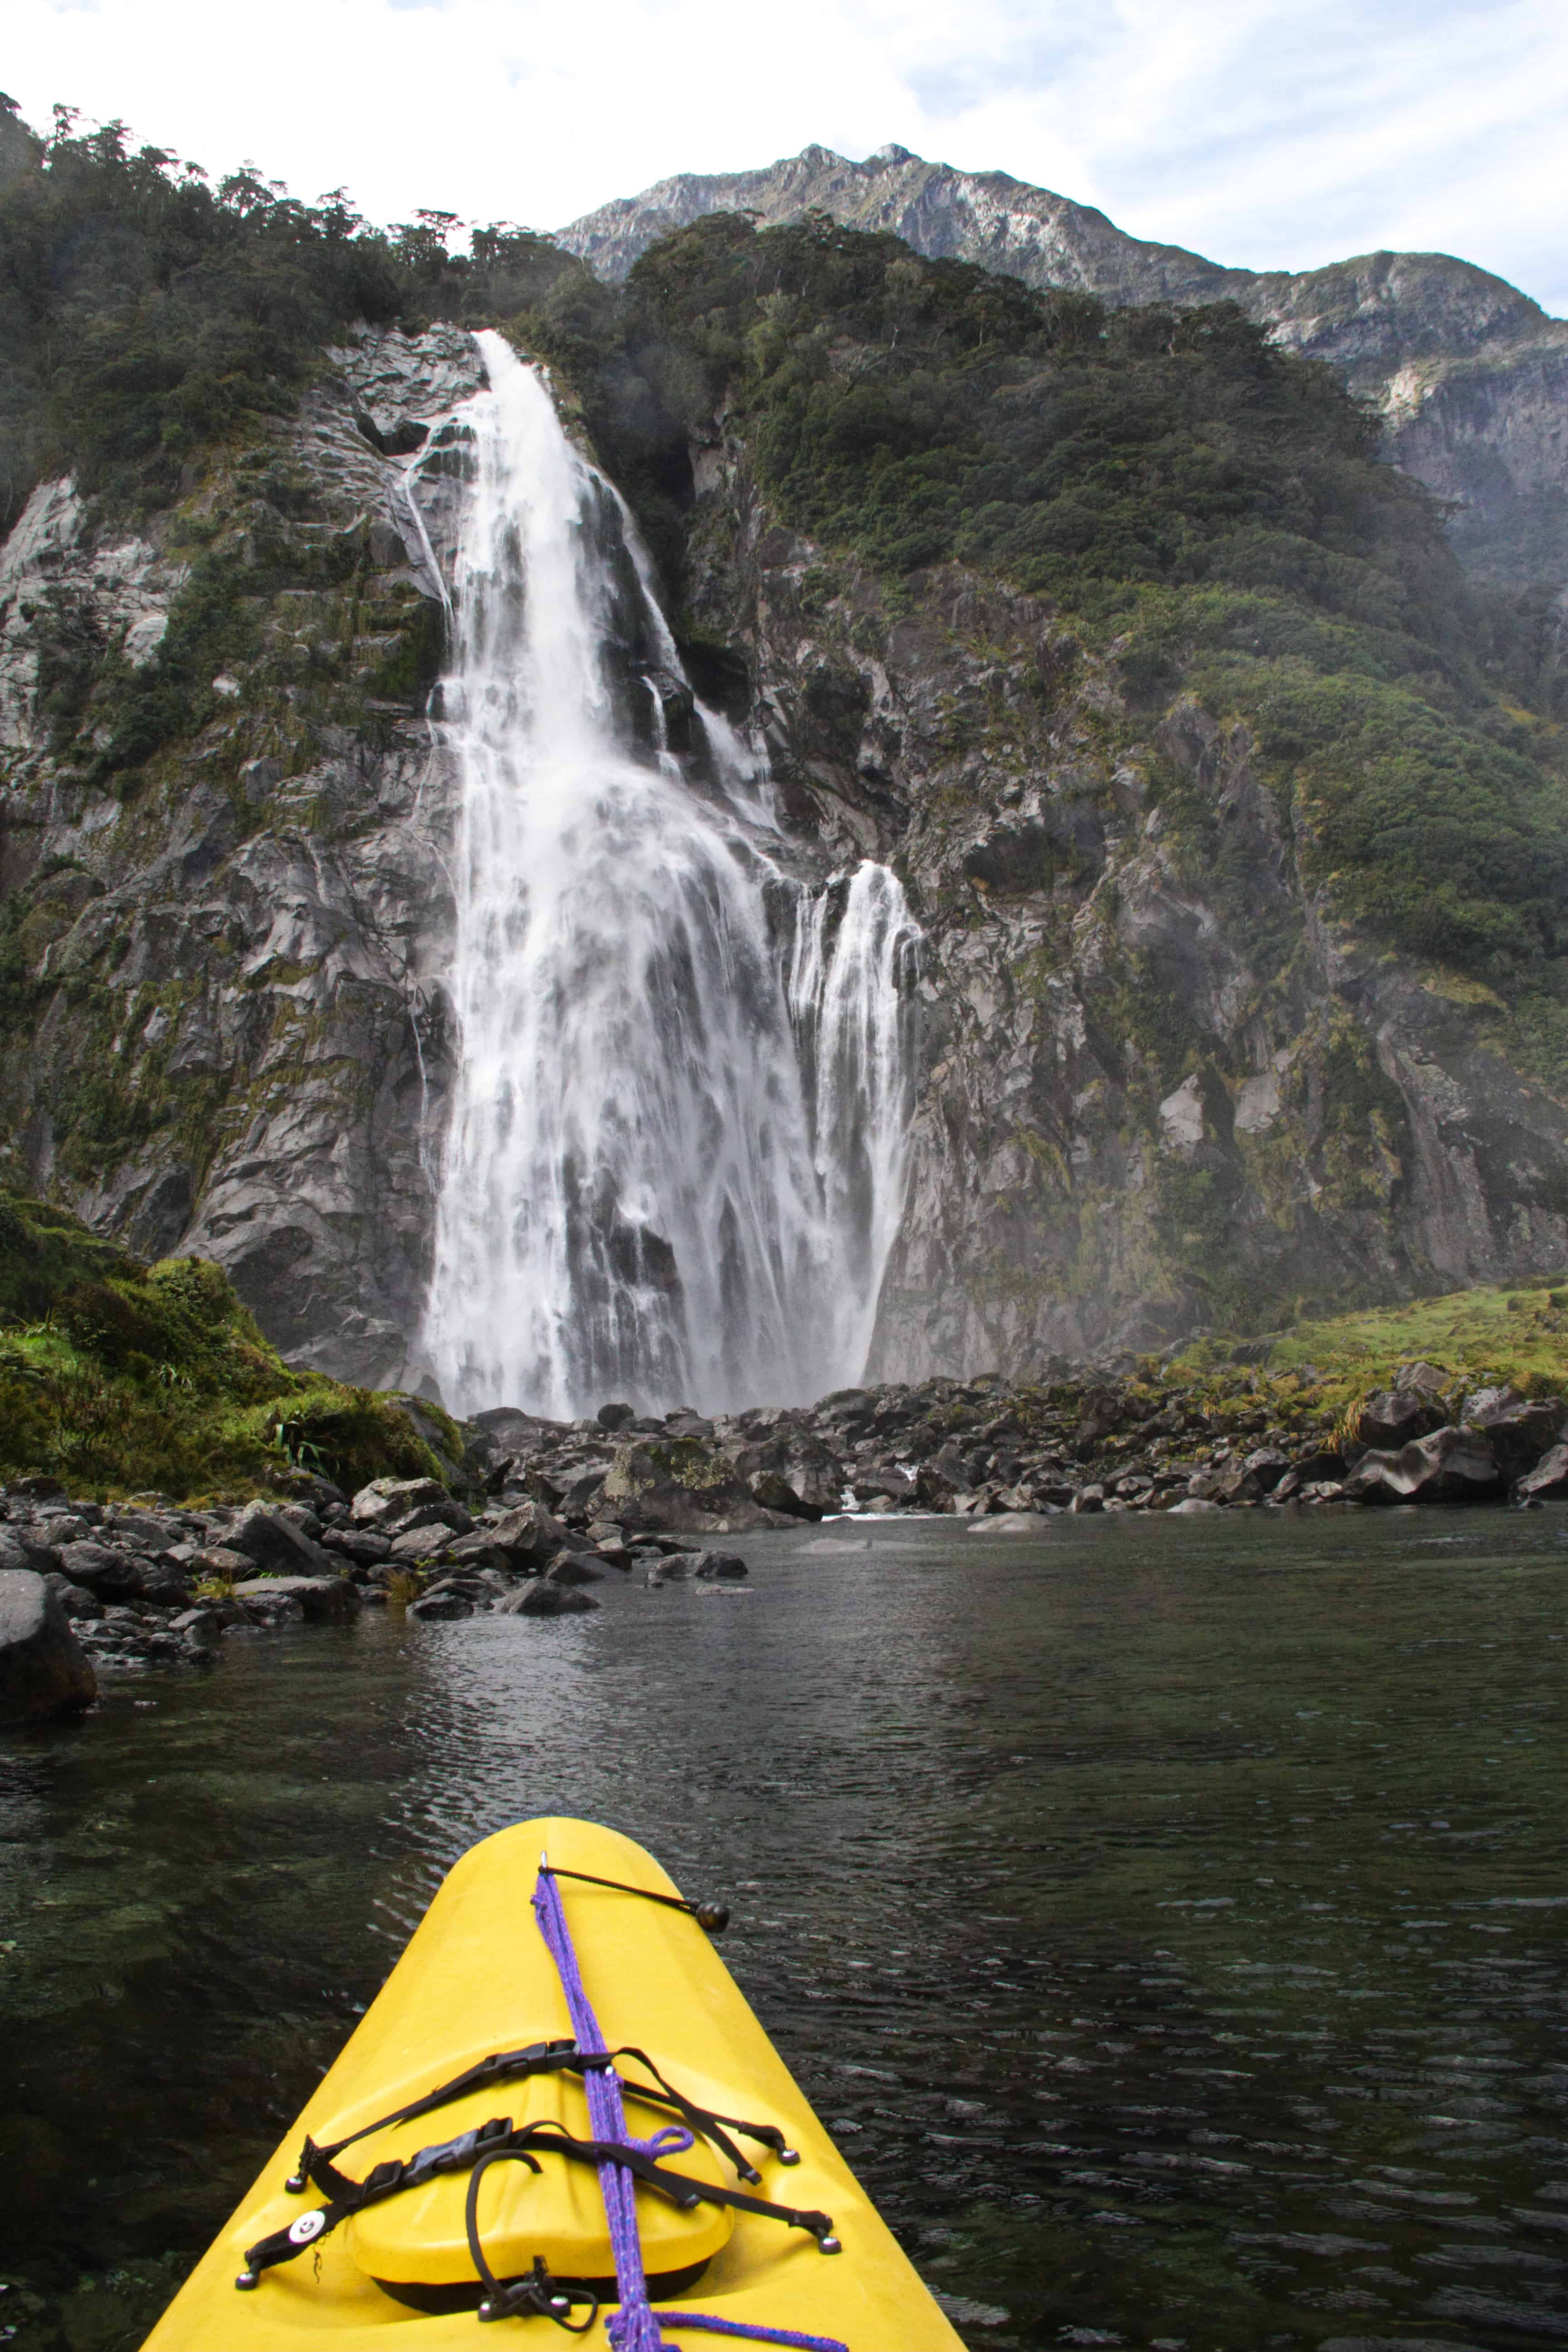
[
  {"x": 1489, "y": 1335},
  {"x": 120, "y": 1378}
]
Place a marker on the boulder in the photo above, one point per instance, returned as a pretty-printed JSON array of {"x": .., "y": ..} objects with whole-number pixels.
[
  {"x": 44, "y": 1670},
  {"x": 21, "y": 1546},
  {"x": 416, "y": 1544},
  {"x": 542, "y": 1598},
  {"x": 529, "y": 1536},
  {"x": 264, "y": 1606},
  {"x": 1011, "y": 1523},
  {"x": 201, "y": 1629},
  {"x": 1322, "y": 1462},
  {"x": 365, "y": 1546},
  {"x": 440, "y": 1608},
  {"x": 1548, "y": 1482},
  {"x": 1449, "y": 1466},
  {"x": 324, "y": 1599},
  {"x": 447, "y": 1514},
  {"x": 1392, "y": 1417},
  {"x": 1227, "y": 1482},
  {"x": 616, "y": 1416},
  {"x": 1190, "y": 1507},
  {"x": 574, "y": 1567},
  {"x": 1087, "y": 1499},
  {"x": 77, "y": 1602},
  {"x": 722, "y": 1567},
  {"x": 789, "y": 1469},
  {"x": 388, "y": 1499},
  {"x": 275, "y": 1544},
  {"x": 890, "y": 1484},
  {"x": 478, "y": 1550},
  {"x": 579, "y": 1497},
  {"x": 679, "y": 1484},
  {"x": 1520, "y": 1429},
  {"x": 1267, "y": 1465},
  {"x": 219, "y": 1561},
  {"x": 105, "y": 1570}
]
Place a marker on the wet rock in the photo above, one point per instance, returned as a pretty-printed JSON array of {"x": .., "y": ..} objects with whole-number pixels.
[
  {"x": 217, "y": 1561},
  {"x": 1450, "y": 1465},
  {"x": 616, "y": 1416},
  {"x": 416, "y": 1544},
  {"x": 542, "y": 1598},
  {"x": 1392, "y": 1417},
  {"x": 530, "y": 1536},
  {"x": 1089, "y": 1499},
  {"x": 1190, "y": 1506},
  {"x": 1520, "y": 1429},
  {"x": 106, "y": 1571},
  {"x": 440, "y": 1608},
  {"x": 679, "y": 1485},
  {"x": 324, "y": 1599},
  {"x": 21, "y": 1546},
  {"x": 1548, "y": 1482},
  {"x": 386, "y": 1501},
  {"x": 267, "y": 1606},
  {"x": 1227, "y": 1482},
  {"x": 80, "y": 1605},
  {"x": 579, "y": 1495},
  {"x": 44, "y": 1670},
  {"x": 478, "y": 1550},
  {"x": 365, "y": 1546},
  {"x": 275, "y": 1544},
  {"x": 574, "y": 1567},
  {"x": 722, "y": 1567},
  {"x": 890, "y": 1486},
  {"x": 201, "y": 1629},
  {"x": 1268, "y": 1464},
  {"x": 1011, "y": 1523}
]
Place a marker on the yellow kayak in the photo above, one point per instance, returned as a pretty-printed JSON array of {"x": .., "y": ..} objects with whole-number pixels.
[{"x": 467, "y": 2165}]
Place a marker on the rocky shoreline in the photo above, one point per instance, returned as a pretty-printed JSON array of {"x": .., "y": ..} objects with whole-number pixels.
[{"x": 537, "y": 1511}]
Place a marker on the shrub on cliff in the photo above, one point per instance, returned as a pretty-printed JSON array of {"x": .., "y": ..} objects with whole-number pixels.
[{"x": 120, "y": 1377}]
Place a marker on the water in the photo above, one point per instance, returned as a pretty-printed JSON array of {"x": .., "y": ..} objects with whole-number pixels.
[
  {"x": 675, "y": 1161},
  {"x": 1169, "y": 1920}
]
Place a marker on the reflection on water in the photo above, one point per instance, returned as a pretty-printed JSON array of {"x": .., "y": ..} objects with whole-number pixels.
[{"x": 1168, "y": 1918}]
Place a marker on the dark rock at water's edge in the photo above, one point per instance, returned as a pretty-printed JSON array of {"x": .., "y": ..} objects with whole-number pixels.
[{"x": 44, "y": 1670}]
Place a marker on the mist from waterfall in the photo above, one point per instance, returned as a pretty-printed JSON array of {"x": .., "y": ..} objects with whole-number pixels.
[{"x": 675, "y": 1157}]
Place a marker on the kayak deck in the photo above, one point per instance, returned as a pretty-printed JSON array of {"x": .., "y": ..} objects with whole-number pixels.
[{"x": 477, "y": 1979}]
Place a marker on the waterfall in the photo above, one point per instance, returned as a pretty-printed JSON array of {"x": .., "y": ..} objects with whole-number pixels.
[{"x": 674, "y": 1162}]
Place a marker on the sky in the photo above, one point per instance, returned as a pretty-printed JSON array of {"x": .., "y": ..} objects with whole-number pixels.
[{"x": 1267, "y": 134}]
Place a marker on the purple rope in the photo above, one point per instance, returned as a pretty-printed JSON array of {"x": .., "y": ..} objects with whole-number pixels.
[{"x": 634, "y": 2326}]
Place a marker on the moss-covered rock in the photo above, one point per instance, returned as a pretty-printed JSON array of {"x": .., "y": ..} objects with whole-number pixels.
[{"x": 119, "y": 1378}]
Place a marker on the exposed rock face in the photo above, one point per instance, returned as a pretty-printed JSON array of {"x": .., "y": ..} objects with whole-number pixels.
[
  {"x": 1471, "y": 376},
  {"x": 1134, "y": 1114},
  {"x": 234, "y": 1046}
]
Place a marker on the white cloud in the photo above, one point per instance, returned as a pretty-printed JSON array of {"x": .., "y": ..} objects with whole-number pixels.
[{"x": 1277, "y": 133}]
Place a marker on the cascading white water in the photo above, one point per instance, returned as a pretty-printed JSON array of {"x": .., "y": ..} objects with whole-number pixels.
[{"x": 675, "y": 1161}]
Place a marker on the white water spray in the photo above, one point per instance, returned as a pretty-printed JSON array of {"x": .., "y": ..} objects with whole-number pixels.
[{"x": 675, "y": 1159}]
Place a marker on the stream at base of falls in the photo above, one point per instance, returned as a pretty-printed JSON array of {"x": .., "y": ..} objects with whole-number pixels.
[{"x": 1167, "y": 1918}]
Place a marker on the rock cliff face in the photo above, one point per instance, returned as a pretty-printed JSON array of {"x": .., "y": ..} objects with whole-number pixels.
[
  {"x": 1470, "y": 375},
  {"x": 1162, "y": 1083},
  {"x": 219, "y": 1035}
]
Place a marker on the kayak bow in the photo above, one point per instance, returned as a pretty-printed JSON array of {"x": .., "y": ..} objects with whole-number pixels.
[{"x": 568, "y": 2113}]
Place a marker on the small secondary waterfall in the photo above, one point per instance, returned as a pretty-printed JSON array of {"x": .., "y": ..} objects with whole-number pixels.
[{"x": 674, "y": 1164}]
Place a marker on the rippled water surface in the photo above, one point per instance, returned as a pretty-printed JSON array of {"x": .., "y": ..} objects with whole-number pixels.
[{"x": 1169, "y": 1918}]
